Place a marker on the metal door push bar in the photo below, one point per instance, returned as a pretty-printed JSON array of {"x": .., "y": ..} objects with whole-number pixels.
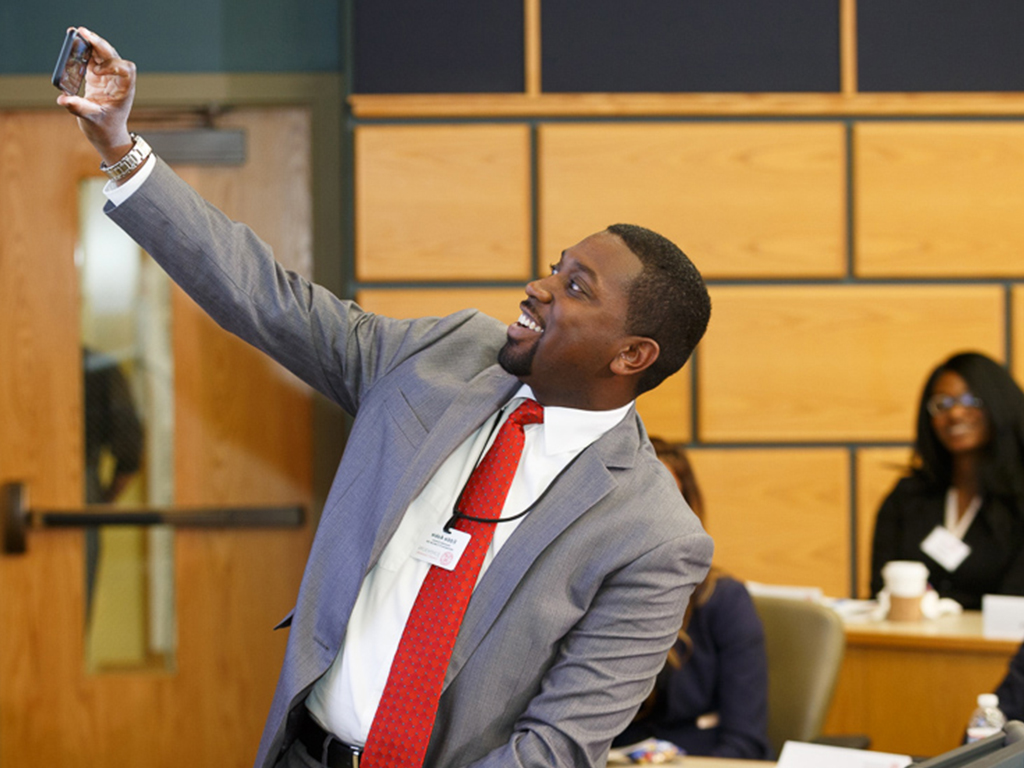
[{"x": 16, "y": 518}]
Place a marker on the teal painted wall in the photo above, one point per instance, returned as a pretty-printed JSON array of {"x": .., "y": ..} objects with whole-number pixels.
[{"x": 181, "y": 36}]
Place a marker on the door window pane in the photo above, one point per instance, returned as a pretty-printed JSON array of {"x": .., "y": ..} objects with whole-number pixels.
[{"x": 128, "y": 396}]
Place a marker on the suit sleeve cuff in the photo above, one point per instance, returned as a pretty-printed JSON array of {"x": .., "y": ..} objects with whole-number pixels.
[{"x": 118, "y": 194}]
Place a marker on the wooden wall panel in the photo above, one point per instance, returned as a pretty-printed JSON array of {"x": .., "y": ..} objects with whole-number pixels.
[
  {"x": 750, "y": 200},
  {"x": 833, "y": 362},
  {"x": 502, "y": 303},
  {"x": 442, "y": 202},
  {"x": 1017, "y": 333},
  {"x": 779, "y": 516},
  {"x": 939, "y": 199},
  {"x": 878, "y": 469},
  {"x": 666, "y": 409}
]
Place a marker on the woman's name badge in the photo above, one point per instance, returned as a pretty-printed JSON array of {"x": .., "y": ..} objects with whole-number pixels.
[
  {"x": 945, "y": 548},
  {"x": 442, "y": 549}
]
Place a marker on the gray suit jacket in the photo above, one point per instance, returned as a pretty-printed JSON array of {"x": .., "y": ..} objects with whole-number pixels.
[{"x": 570, "y": 624}]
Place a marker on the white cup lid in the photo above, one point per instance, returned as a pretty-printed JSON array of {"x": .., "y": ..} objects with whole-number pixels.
[{"x": 905, "y": 578}]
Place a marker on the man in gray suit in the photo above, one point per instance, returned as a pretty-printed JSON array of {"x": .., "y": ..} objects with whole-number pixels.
[{"x": 593, "y": 560}]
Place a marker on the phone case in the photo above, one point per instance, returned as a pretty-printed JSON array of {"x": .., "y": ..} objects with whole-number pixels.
[{"x": 69, "y": 73}]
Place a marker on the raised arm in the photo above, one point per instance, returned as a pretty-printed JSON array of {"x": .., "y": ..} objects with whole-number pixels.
[{"x": 331, "y": 344}]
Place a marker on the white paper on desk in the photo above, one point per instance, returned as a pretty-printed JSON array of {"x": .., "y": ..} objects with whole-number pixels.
[
  {"x": 1002, "y": 616},
  {"x": 797, "y": 754}
]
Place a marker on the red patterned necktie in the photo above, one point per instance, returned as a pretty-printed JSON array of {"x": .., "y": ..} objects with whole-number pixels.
[{"x": 405, "y": 717}]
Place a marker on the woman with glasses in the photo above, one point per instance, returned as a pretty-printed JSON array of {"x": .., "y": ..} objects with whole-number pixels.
[{"x": 961, "y": 509}]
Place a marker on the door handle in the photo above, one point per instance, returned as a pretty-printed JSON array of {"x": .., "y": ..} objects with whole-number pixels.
[{"x": 16, "y": 517}]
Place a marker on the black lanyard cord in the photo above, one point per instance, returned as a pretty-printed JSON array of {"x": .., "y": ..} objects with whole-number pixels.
[{"x": 457, "y": 515}]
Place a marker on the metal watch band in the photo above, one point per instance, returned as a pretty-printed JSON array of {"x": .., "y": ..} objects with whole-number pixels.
[{"x": 136, "y": 156}]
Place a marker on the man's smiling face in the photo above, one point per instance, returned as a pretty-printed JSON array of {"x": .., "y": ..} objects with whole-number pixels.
[{"x": 573, "y": 323}]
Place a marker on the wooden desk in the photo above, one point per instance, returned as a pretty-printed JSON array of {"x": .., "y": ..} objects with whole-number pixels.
[{"x": 912, "y": 686}]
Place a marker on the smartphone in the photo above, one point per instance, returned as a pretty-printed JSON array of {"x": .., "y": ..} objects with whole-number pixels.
[{"x": 69, "y": 74}]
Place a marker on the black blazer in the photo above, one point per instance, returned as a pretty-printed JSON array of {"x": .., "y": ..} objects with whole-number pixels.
[{"x": 996, "y": 539}]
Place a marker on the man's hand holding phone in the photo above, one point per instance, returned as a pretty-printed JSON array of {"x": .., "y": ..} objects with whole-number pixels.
[{"x": 103, "y": 109}]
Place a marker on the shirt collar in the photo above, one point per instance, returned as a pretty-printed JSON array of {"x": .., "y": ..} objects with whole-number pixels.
[{"x": 573, "y": 429}]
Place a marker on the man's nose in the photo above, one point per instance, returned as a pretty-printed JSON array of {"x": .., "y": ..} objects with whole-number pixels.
[{"x": 538, "y": 289}]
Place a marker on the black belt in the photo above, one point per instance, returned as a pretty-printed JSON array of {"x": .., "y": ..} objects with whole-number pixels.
[{"x": 324, "y": 746}]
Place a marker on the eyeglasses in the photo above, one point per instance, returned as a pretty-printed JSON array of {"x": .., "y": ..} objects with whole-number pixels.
[{"x": 938, "y": 404}]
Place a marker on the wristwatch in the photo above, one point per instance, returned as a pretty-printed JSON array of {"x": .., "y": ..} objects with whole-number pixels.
[{"x": 136, "y": 156}]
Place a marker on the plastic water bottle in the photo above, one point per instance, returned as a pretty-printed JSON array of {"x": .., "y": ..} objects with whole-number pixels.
[{"x": 987, "y": 719}]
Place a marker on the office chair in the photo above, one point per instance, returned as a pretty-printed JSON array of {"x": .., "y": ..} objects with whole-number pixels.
[{"x": 804, "y": 642}]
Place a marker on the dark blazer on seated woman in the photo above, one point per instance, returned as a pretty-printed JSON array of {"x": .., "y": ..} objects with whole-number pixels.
[
  {"x": 996, "y": 539},
  {"x": 716, "y": 702}
]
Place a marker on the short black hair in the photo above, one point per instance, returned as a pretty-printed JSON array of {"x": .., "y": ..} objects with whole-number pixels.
[
  {"x": 1001, "y": 465},
  {"x": 668, "y": 301}
]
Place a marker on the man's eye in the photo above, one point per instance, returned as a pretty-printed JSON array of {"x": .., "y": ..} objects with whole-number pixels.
[{"x": 554, "y": 269}]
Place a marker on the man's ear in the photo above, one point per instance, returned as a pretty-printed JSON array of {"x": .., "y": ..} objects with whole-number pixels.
[{"x": 638, "y": 356}]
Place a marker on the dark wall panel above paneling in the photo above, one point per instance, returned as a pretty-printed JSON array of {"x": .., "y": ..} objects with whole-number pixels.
[
  {"x": 459, "y": 46},
  {"x": 690, "y": 46},
  {"x": 940, "y": 45},
  {"x": 183, "y": 36}
]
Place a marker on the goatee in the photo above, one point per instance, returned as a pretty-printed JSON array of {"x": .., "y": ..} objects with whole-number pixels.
[{"x": 518, "y": 364}]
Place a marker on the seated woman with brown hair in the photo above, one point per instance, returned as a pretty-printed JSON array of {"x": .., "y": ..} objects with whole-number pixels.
[{"x": 711, "y": 697}]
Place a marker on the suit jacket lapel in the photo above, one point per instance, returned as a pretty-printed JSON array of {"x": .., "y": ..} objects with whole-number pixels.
[
  {"x": 484, "y": 395},
  {"x": 580, "y": 488}
]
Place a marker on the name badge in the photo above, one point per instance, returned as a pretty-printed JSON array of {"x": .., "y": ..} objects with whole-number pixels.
[
  {"x": 442, "y": 549},
  {"x": 945, "y": 548}
]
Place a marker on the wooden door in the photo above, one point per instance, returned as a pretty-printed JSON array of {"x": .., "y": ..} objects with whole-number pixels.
[{"x": 242, "y": 436}]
